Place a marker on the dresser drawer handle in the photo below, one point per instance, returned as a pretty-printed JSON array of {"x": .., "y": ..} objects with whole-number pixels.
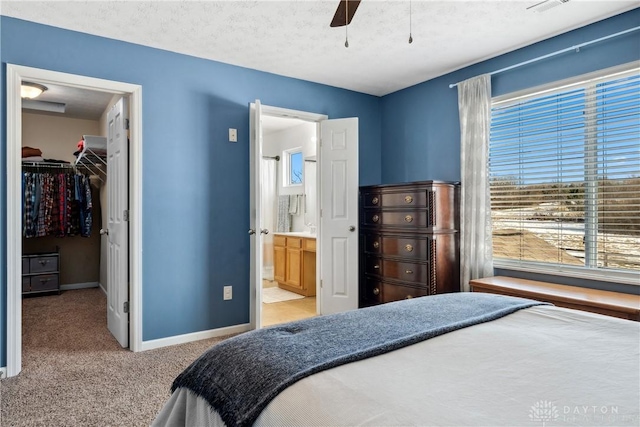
[
  {"x": 45, "y": 280},
  {"x": 408, "y": 218},
  {"x": 408, "y": 199},
  {"x": 408, "y": 248},
  {"x": 408, "y": 271},
  {"x": 376, "y": 291},
  {"x": 375, "y": 201},
  {"x": 408, "y": 297},
  {"x": 376, "y": 245},
  {"x": 377, "y": 267},
  {"x": 43, "y": 262},
  {"x": 375, "y": 218}
]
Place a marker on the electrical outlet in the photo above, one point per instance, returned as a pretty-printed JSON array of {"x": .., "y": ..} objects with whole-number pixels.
[
  {"x": 228, "y": 293},
  {"x": 233, "y": 135}
]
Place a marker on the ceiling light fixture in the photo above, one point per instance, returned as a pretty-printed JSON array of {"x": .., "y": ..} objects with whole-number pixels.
[{"x": 31, "y": 90}]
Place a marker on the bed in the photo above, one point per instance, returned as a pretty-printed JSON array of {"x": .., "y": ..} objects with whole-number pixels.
[{"x": 522, "y": 363}]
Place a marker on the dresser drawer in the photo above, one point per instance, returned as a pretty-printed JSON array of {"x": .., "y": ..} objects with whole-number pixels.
[
  {"x": 371, "y": 292},
  {"x": 378, "y": 291},
  {"x": 404, "y": 218},
  {"x": 395, "y": 198},
  {"x": 25, "y": 265},
  {"x": 406, "y": 247},
  {"x": 44, "y": 282},
  {"x": 43, "y": 264},
  {"x": 392, "y": 292},
  {"x": 26, "y": 283},
  {"x": 398, "y": 270}
]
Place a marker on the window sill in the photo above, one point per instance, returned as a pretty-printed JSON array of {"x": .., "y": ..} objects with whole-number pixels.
[{"x": 613, "y": 276}]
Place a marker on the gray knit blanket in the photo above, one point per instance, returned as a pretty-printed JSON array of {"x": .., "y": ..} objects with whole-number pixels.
[{"x": 241, "y": 375}]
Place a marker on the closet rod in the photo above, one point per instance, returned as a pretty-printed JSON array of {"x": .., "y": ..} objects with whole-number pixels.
[
  {"x": 549, "y": 55},
  {"x": 48, "y": 165},
  {"x": 276, "y": 158}
]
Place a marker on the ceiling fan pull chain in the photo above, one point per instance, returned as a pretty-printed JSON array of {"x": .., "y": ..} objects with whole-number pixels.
[
  {"x": 410, "y": 37},
  {"x": 346, "y": 26}
]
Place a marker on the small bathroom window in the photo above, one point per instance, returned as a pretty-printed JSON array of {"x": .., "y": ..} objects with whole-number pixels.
[{"x": 294, "y": 167}]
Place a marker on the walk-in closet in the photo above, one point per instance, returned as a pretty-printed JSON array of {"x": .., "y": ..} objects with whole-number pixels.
[{"x": 64, "y": 175}]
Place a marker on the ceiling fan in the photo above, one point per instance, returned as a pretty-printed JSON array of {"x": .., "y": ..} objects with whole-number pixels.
[{"x": 344, "y": 13}]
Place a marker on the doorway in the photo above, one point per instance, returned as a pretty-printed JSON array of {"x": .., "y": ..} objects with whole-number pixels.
[
  {"x": 288, "y": 213},
  {"x": 336, "y": 238},
  {"x": 15, "y": 76}
]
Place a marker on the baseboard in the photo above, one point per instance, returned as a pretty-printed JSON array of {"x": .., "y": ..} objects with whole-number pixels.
[
  {"x": 72, "y": 286},
  {"x": 195, "y": 336},
  {"x": 3, "y": 372},
  {"x": 104, "y": 290}
]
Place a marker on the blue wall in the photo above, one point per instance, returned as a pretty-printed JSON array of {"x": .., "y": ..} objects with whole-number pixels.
[
  {"x": 420, "y": 127},
  {"x": 195, "y": 183}
]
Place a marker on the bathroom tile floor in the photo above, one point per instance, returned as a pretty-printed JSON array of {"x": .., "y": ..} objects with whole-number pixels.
[{"x": 287, "y": 311}]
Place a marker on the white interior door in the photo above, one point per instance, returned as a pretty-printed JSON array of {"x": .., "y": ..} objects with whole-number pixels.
[
  {"x": 339, "y": 215},
  {"x": 255, "y": 224},
  {"x": 118, "y": 227}
]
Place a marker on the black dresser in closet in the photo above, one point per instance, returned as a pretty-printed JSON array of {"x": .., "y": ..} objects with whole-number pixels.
[{"x": 409, "y": 241}]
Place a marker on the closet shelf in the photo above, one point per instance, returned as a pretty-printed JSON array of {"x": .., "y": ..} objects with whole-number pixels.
[{"x": 93, "y": 156}]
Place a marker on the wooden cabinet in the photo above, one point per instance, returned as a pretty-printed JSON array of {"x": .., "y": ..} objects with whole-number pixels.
[
  {"x": 279, "y": 258},
  {"x": 409, "y": 241},
  {"x": 295, "y": 263},
  {"x": 41, "y": 273}
]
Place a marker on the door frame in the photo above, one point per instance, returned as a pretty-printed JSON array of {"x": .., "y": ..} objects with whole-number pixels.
[
  {"x": 268, "y": 110},
  {"x": 15, "y": 75}
]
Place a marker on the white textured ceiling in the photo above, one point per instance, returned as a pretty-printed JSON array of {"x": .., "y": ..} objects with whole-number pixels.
[{"x": 293, "y": 38}]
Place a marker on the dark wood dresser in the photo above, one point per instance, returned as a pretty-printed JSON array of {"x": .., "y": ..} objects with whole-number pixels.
[{"x": 409, "y": 241}]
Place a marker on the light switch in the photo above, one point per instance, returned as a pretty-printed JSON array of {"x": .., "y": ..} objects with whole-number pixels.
[
  {"x": 227, "y": 293},
  {"x": 233, "y": 135}
]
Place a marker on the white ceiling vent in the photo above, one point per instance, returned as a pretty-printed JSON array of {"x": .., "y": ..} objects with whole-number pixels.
[{"x": 545, "y": 5}]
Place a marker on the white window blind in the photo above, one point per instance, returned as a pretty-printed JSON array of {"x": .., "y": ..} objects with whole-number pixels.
[{"x": 564, "y": 168}]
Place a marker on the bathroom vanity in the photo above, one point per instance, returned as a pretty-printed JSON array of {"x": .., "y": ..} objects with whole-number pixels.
[{"x": 295, "y": 262}]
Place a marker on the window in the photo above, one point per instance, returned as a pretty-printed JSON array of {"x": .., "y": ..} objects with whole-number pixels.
[
  {"x": 294, "y": 174},
  {"x": 564, "y": 170}
]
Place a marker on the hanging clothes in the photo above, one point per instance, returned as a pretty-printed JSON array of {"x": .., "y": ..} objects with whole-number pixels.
[
  {"x": 56, "y": 204},
  {"x": 28, "y": 201}
]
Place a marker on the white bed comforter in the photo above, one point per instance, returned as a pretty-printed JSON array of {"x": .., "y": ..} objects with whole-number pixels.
[{"x": 539, "y": 366}]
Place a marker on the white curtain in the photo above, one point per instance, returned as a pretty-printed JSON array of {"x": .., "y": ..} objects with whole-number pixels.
[
  {"x": 268, "y": 202},
  {"x": 476, "y": 249}
]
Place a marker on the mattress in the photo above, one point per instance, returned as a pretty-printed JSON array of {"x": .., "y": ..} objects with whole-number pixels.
[{"x": 542, "y": 365}]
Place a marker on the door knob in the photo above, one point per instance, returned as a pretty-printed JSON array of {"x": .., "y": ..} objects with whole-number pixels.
[
  {"x": 104, "y": 231},
  {"x": 252, "y": 231},
  {"x": 352, "y": 228},
  {"x": 264, "y": 231}
]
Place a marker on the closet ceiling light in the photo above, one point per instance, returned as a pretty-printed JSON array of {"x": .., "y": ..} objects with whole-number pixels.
[{"x": 31, "y": 90}]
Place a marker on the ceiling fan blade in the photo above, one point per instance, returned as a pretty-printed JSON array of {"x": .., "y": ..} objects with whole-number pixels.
[{"x": 340, "y": 19}]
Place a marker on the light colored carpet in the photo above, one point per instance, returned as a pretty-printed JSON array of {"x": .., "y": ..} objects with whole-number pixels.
[
  {"x": 76, "y": 374},
  {"x": 271, "y": 295}
]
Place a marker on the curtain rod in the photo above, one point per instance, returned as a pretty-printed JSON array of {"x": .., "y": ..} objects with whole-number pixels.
[
  {"x": 276, "y": 158},
  {"x": 576, "y": 48}
]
